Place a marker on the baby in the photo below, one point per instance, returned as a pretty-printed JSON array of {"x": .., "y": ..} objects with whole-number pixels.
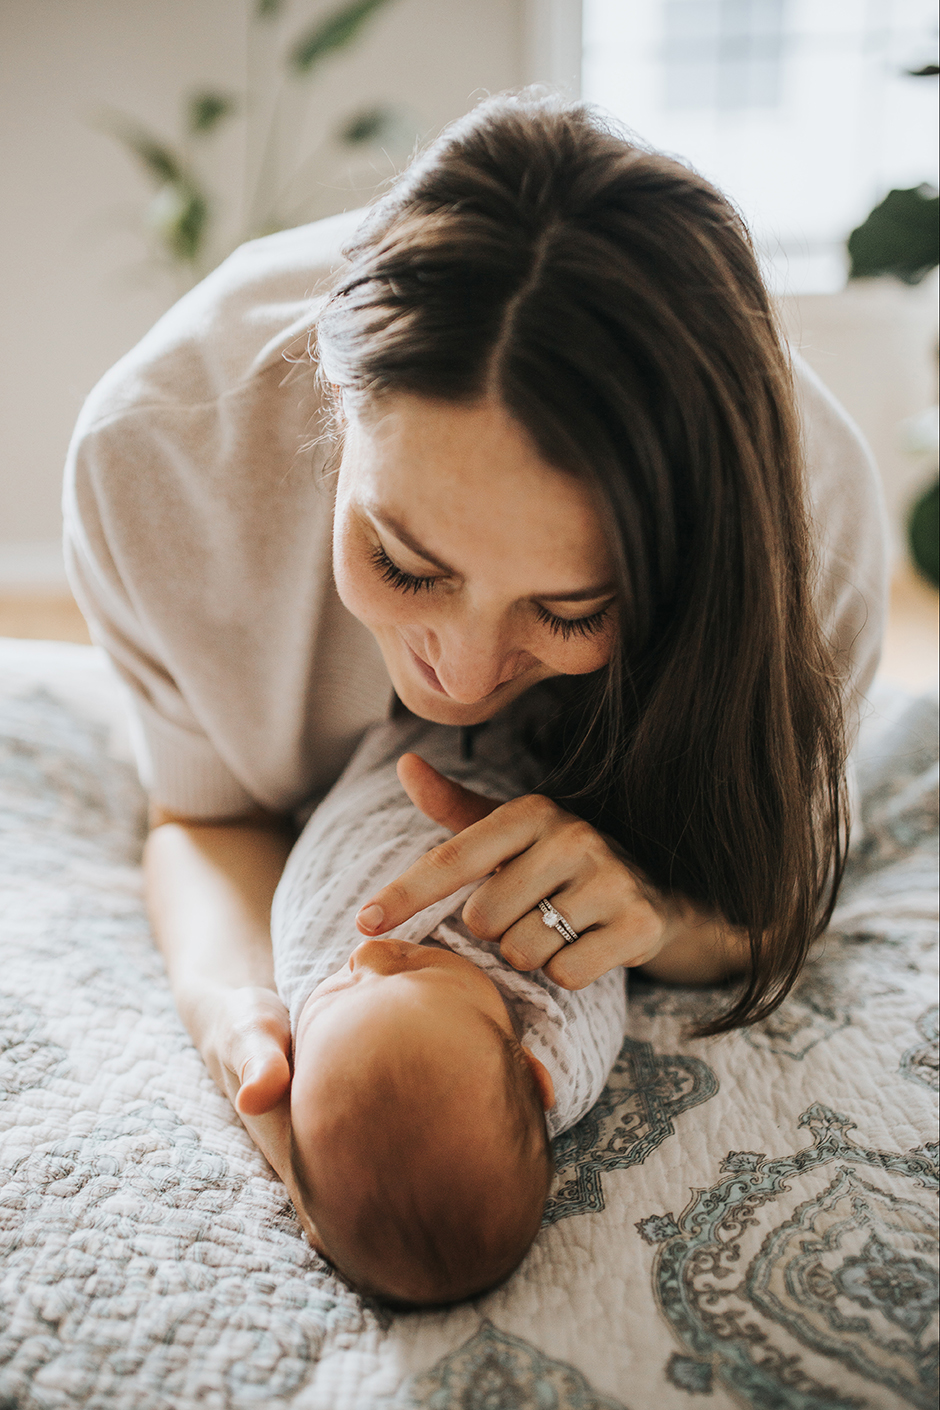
[{"x": 429, "y": 1076}]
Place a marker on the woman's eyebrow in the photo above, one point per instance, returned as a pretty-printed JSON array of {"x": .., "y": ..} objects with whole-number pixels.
[{"x": 396, "y": 527}]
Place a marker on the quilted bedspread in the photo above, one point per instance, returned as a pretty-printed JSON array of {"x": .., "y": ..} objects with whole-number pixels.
[{"x": 748, "y": 1220}]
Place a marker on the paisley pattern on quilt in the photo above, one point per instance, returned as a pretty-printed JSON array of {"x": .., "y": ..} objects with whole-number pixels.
[
  {"x": 851, "y": 1273},
  {"x": 747, "y": 1220},
  {"x": 633, "y": 1116},
  {"x": 493, "y": 1369},
  {"x": 922, "y": 1062}
]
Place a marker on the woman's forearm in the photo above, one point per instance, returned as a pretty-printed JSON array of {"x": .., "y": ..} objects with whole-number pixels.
[
  {"x": 699, "y": 951},
  {"x": 209, "y": 889}
]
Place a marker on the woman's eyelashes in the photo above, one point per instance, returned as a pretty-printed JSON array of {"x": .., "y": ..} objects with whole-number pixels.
[
  {"x": 565, "y": 627},
  {"x": 391, "y": 573}
]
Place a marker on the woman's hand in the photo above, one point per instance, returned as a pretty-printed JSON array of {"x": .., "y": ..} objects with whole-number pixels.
[
  {"x": 246, "y": 1046},
  {"x": 535, "y": 849}
]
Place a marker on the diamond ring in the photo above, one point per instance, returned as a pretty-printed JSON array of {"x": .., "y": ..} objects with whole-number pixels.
[{"x": 556, "y": 921}]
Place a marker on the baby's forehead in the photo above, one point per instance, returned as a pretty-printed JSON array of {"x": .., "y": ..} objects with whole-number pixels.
[
  {"x": 399, "y": 1026},
  {"x": 399, "y": 1066}
]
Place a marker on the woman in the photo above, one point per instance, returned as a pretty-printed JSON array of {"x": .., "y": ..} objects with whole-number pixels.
[{"x": 572, "y": 487}]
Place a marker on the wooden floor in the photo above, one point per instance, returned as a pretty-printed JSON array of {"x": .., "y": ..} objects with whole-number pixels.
[
  {"x": 911, "y": 653},
  {"x": 50, "y": 617}
]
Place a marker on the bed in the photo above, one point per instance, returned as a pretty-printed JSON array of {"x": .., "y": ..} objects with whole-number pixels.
[{"x": 748, "y": 1220}]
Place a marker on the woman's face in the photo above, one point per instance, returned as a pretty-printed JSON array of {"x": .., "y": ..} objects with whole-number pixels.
[{"x": 479, "y": 568}]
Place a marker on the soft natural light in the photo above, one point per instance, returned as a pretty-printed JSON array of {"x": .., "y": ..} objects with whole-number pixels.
[{"x": 804, "y": 111}]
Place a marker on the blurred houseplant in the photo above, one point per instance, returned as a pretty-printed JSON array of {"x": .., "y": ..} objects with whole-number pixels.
[
  {"x": 901, "y": 237},
  {"x": 183, "y": 215}
]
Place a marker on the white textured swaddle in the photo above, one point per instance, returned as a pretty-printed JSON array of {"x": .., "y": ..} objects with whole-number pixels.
[{"x": 362, "y": 836}]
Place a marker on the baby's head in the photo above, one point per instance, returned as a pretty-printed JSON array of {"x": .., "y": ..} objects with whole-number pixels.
[{"x": 418, "y": 1137}]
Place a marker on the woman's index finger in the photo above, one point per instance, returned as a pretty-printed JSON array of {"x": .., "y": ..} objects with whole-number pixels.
[{"x": 468, "y": 856}]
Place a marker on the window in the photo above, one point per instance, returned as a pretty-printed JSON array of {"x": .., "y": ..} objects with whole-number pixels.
[
  {"x": 803, "y": 111},
  {"x": 722, "y": 53}
]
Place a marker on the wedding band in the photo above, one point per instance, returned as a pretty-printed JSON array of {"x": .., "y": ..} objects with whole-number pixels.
[{"x": 556, "y": 921}]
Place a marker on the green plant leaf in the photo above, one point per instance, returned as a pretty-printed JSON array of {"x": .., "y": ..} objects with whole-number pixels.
[
  {"x": 331, "y": 34},
  {"x": 204, "y": 111},
  {"x": 900, "y": 237},
  {"x": 178, "y": 216},
  {"x": 158, "y": 159},
  {"x": 268, "y": 9},
  {"x": 924, "y": 534},
  {"x": 369, "y": 125}
]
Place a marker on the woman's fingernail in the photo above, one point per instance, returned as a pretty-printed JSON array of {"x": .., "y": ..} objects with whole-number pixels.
[
  {"x": 250, "y": 1071},
  {"x": 370, "y": 918}
]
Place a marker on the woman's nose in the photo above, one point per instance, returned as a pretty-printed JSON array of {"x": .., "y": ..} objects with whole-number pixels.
[{"x": 472, "y": 663}]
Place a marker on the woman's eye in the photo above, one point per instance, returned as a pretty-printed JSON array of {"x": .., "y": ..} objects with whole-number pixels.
[
  {"x": 567, "y": 627},
  {"x": 397, "y": 577}
]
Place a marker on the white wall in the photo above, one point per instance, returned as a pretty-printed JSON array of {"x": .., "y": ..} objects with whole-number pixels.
[
  {"x": 76, "y": 293},
  {"x": 874, "y": 344}
]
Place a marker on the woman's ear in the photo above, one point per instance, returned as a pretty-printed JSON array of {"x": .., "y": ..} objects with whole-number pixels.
[{"x": 542, "y": 1077}]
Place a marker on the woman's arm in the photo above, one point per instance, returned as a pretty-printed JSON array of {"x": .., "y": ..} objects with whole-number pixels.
[
  {"x": 699, "y": 951},
  {"x": 209, "y": 888}
]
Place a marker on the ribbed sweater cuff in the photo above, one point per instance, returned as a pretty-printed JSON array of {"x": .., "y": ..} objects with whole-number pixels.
[{"x": 181, "y": 771}]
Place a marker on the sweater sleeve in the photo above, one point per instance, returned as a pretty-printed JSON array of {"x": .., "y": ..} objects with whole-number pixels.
[
  {"x": 851, "y": 542},
  {"x": 179, "y": 767},
  {"x": 197, "y": 540}
]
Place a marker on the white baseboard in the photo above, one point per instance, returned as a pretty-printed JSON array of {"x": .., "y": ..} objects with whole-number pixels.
[{"x": 32, "y": 567}]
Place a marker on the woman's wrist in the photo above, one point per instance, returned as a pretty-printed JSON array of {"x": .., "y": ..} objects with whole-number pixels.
[
  {"x": 243, "y": 1036},
  {"x": 697, "y": 948}
]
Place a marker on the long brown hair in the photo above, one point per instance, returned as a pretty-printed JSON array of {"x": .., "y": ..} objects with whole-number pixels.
[{"x": 610, "y": 297}]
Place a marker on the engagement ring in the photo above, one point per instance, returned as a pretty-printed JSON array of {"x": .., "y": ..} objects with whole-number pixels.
[{"x": 556, "y": 921}]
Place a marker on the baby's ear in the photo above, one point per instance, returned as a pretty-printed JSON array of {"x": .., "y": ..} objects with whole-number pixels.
[{"x": 542, "y": 1077}]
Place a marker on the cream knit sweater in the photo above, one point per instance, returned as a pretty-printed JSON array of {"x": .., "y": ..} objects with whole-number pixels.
[{"x": 198, "y": 515}]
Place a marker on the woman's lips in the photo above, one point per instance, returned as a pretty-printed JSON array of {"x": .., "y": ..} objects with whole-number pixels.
[{"x": 427, "y": 672}]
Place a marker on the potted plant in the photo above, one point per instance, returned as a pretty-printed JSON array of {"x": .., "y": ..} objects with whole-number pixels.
[
  {"x": 182, "y": 215},
  {"x": 901, "y": 237}
]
